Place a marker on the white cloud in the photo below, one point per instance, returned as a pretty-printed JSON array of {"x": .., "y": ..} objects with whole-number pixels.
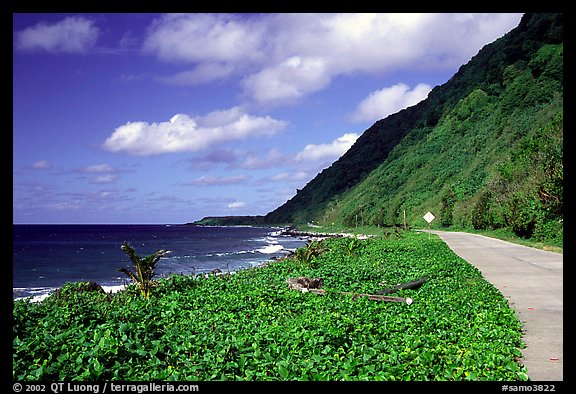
[
  {"x": 205, "y": 72},
  {"x": 307, "y": 162},
  {"x": 41, "y": 165},
  {"x": 289, "y": 176},
  {"x": 236, "y": 204},
  {"x": 106, "y": 194},
  {"x": 204, "y": 37},
  {"x": 312, "y": 154},
  {"x": 71, "y": 35},
  {"x": 217, "y": 45},
  {"x": 381, "y": 103},
  {"x": 288, "y": 81},
  {"x": 214, "y": 158},
  {"x": 296, "y": 177},
  {"x": 272, "y": 158},
  {"x": 98, "y": 169},
  {"x": 208, "y": 180},
  {"x": 285, "y": 57},
  {"x": 103, "y": 179},
  {"x": 183, "y": 133},
  {"x": 64, "y": 206},
  {"x": 326, "y": 152}
]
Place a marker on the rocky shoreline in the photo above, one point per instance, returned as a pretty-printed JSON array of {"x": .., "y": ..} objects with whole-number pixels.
[{"x": 293, "y": 232}]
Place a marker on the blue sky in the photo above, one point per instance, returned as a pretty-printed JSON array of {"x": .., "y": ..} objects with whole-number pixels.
[{"x": 152, "y": 118}]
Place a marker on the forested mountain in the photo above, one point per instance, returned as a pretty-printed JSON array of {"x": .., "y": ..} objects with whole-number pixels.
[{"x": 484, "y": 150}]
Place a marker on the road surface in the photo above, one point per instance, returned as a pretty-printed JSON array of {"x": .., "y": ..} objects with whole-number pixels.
[{"x": 532, "y": 281}]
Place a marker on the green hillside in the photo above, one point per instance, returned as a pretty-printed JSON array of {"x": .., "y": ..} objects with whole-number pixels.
[{"x": 483, "y": 151}]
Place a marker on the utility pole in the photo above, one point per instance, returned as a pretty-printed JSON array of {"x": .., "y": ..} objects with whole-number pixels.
[{"x": 404, "y": 219}]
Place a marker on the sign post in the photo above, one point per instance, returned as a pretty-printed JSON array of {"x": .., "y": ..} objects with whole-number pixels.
[{"x": 429, "y": 217}]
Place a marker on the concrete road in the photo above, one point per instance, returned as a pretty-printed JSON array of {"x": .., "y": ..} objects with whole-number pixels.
[{"x": 532, "y": 281}]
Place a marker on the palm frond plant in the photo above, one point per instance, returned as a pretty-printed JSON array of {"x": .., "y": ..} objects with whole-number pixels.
[
  {"x": 144, "y": 268},
  {"x": 352, "y": 246},
  {"x": 306, "y": 254}
]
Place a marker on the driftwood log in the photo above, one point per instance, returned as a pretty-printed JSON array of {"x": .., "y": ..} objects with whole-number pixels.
[
  {"x": 408, "y": 285},
  {"x": 313, "y": 285},
  {"x": 302, "y": 282}
]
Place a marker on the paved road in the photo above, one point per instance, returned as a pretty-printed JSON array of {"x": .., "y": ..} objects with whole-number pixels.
[{"x": 532, "y": 281}]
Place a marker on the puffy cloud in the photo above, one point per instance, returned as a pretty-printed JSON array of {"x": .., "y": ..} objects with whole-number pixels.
[
  {"x": 71, "y": 35},
  {"x": 287, "y": 56},
  {"x": 217, "y": 44},
  {"x": 381, "y": 103},
  {"x": 204, "y": 37},
  {"x": 312, "y": 154},
  {"x": 183, "y": 133},
  {"x": 107, "y": 173},
  {"x": 326, "y": 152},
  {"x": 288, "y": 81}
]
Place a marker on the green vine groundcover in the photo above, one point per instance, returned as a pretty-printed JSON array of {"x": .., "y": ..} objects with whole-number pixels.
[{"x": 251, "y": 326}]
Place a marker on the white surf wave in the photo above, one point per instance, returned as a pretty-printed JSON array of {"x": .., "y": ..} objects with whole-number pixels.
[
  {"x": 38, "y": 294},
  {"x": 273, "y": 248}
]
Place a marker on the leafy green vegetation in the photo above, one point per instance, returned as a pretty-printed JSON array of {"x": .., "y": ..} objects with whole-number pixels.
[
  {"x": 251, "y": 326},
  {"x": 471, "y": 183}
]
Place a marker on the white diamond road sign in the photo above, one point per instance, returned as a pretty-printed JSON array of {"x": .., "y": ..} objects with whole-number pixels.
[{"x": 429, "y": 217}]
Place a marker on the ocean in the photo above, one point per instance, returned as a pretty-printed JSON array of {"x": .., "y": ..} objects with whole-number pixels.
[{"x": 47, "y": 256}]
